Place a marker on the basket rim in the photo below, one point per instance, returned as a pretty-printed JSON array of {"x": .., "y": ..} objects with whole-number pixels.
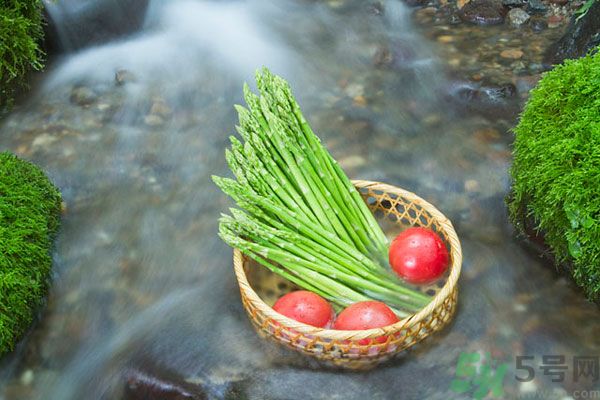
[{"x": 445, "y": 292}]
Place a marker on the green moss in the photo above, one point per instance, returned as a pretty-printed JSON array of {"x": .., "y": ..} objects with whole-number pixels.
[
  {"x": 29, "y": 218},
  {"x": 20, "y": 52},
  {"x": 556, "y": 170}
]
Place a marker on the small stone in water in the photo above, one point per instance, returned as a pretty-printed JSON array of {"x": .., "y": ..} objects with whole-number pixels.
[
  {"x": 512, "y": 54},
  {"x": 123, "y": 76},
  {"x": 82, "y": 96},
  {"x": 161, "y": 108},
  {"x": 163, "y": 385},
  {"x": 483, "y": 12},
  {"x": 538, "y": 24},
  {"x": 27, "y": 377},
  {"x": 360, "y": 101},
  {"x": 514, "y": 3},
  {"x": 354, "y": 90},
  {"x": 43, "y": 140},
  {"x": 153, "y": 120},
  {"x": 536, "y": 6},
  {"x": 518, "y": 17},
  {"x": 461, "y": 3},
  {"x": 554, "y": 21},
  {"x": 471, "y": 185},
  {"x": 352, "y": 162},
  {"x": 445, "y": 38}
]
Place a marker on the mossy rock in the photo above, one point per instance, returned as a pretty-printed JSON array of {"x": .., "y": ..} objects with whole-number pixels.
[
  {"x": 29, "y": 218},
  {"x": 21, "y": 33},
  {"x": 556, "y": 169}
]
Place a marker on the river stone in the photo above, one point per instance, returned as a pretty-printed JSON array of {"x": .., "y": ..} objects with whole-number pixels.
[
  {"x": 122, "y": 76},
  {"x": 538, "y": 24},
  {"x": 493, "y": 101},
  {"x": 159, "y": 385},
  {"x": 536, "y": 7},
  {"x": 85, "y": 22},
  {"x": 517, "y": 17},
  {"x": 483, "y": 12},
  {"x": 514, "y": 3},
  {"x": 82, "y": 96},
  {"x": 416, "y": 3},
  {"x": 580, "y": 37}
]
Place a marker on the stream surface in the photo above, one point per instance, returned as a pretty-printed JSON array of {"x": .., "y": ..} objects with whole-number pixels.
[{"x": 132, "y": 130}]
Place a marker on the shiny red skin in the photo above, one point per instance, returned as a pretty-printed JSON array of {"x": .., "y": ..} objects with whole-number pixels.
[
  {"x": 366, "y": 315},
  {"x": 418, "y": 255},
  {"x": 306, "y": 307}
]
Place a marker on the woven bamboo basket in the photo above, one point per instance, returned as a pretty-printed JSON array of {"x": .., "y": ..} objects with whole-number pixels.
[{"x": 397, "y": 209}]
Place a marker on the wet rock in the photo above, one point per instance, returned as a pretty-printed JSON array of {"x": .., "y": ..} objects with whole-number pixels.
[
  {"x": 538, "y": 24},
  {"x": 124, "y": 76},
  {"x": 383, "y": 57},
  {"x": 160, "y": 107},
  {"x": 377, "y": 8},
  {"x": 237, "y": 390},
  {"x": 512, "y": 54},
  {"x": 514, "y": 3},
  {"x": 554, "y": 21},
  {"x": 153, "y": 120},
  {"x": 394, "y": 56},
  {"x": 445, "y": 39},
  {"x": 85, "y": 22},
  {"x": 525, "y": 83},
  {"x": 83, "y": 96},
  {"x": 483, "y": 12},
  {"x": 471, "y": 185},
  {"x": 27, "y": 377},
  {"x": 518, "y": 17},
  {"x": 536, "y": 7},
  {"x": 461, "y": 3},
  {"x": 159, "y": 385},
  {"x": 491, "y": 101},
  {"x": 581, "y": 36},
  {"x": 416, "y": 3}
]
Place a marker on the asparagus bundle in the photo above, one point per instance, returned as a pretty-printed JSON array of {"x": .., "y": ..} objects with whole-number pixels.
[{"x": 303, "y": 218}]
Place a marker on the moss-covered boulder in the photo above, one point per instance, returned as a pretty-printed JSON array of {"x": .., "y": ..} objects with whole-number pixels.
[
  {"x": 556, "y": 170},
  {"x": 21, "y": 32},
  {"x": 29, "y": 218}
]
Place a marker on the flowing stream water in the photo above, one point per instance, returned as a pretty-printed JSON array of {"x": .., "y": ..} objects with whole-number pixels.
[{"x": 131, "y": 131}]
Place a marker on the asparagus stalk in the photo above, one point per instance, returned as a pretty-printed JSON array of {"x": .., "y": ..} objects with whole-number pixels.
[{"x": 304, "y": 219}]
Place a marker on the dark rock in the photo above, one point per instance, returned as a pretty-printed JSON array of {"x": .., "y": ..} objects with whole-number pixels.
[
  {"x": 538, "y": 24},
  {"x": 483, "y": 12},
  {"x": 517, "y": 17},
  {"x": 123, "y": 76},
  {"x": 237, "y": 391},
  {"x": 536, "y": 7},
  {"x": 416, "y": 3},
  {"x": 554, "y": 21},
  {"x": 376, "y": 8},
  {"x": 82, "y": 96},
  {"x": 454, "y": 19},
  {"x": 514, "y": 3},
  {"x": 159, "y": 385},
  {"x": 395, "y": 56},
  {"x": 74, "y": 24},
  {"x": 492, "y": 101},
  {"x": 581, "y": 36}
]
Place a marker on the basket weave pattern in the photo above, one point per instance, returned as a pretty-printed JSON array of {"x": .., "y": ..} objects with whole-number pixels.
[{"x": 342, "y": 348}]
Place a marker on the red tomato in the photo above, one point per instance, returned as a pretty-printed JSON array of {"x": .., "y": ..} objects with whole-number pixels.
[
  {"x": 418, "y": 255},
  {"x": 366, "y": 315},
  {"x": 306, "y": 307}
]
